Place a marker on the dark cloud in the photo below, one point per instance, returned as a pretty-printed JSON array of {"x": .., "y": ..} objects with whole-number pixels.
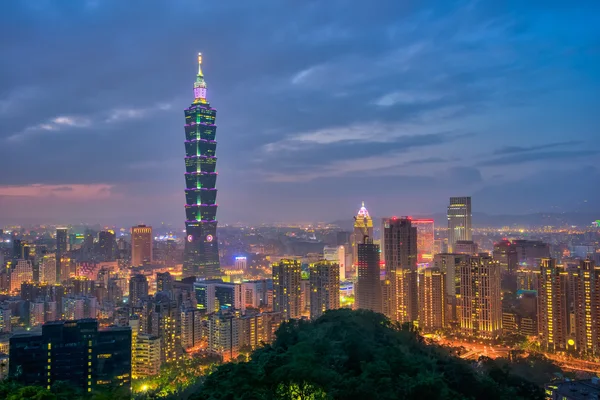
[
  {"x": 526, "y": 149},
  {"x": 93, "y": 92},
  {"x": 541, "y": 156}
]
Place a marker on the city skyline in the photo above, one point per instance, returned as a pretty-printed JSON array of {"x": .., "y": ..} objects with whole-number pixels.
[{"x": 514, "y": 86}]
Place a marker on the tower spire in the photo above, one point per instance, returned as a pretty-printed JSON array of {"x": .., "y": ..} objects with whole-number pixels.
[{"x": 200, "y": 65}]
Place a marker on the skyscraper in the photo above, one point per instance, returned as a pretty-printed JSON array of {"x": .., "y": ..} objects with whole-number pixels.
[
  {"x": 61, "y": 252},
  {"x": 587, "y": 309},
  {"x": 141, "y": 245},
  {"x": 506, "y": 255},
  {"x": 400, "y": 253},
  {"x": 480, "y": 300},
  {"x": 201, "y": 257},
  {"x": 449, "y": 264},
  {"x": 553, "y": 313},
  {"x": 324, "y": 287},
  {"x": 368, "y": 283},
  {"x": 22, "y": 272},
  {"x": 425, "y": 239},
  {"x": 286, "y": 288},
  {"x": 107, "y": 245},
  {"x": 363, "y": 228},
  {"x": 138, "y": 288},
  {"x": 459, "y": 221},
  {"x": 432, "y": 299}
]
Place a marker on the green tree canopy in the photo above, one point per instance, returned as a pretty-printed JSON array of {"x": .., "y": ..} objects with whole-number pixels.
[{"x": 357, "y": 355}]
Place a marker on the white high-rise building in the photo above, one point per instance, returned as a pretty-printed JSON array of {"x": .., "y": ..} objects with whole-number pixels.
[{"x": 336, "y": 254}]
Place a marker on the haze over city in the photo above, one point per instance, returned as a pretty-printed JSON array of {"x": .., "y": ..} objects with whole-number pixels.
[{"x": 321, "y": 105}]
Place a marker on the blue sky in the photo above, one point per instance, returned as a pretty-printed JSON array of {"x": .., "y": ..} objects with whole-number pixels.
[{"x": 320, "y": 105}]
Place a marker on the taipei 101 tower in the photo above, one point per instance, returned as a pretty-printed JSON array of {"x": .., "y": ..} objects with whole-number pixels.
[{"x": 201, "y": 257}]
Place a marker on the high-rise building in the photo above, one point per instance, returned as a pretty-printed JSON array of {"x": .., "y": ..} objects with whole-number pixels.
[
  {"x": 61, "y": 252},
  {"x": 36, "y": 313},
  {"x": 480, "y": 300},
  {"x": 241, "y": 263},
  {"x": 201, "y": 256},
  {"x": 75, "y": 352},
  {"x": 138, "y": 288},
  {"x": 17, "y": 252},
  {"x": 215, "y": 295},
  {"x": 324, "y": 287},
  {"x": 191, "y": 327},
  {"x": 336, "y": 254},
  {"x": 400, "y": 253},
  {"x": 107, "y": 245},
  {"x": 48, "y": 269},
  {"x": 363, "y": 228},
  {"x": 22, "y": 272},
  {"x": 459, "y": 221},
  {"x": 286, "y": 288},
  {"x": 146, "y": 356},
  {"x": 164, "y": 282},
  {"x": 466, "y": 247},
  {"x": 425, "y": 239},
  {"x": 506, "y": 255},
  {"x": 223, "y": 335},
  {"x": 553, "y": 313},
  {"x": 587, "y": 308},
  {"x": 141, "y": 245},
  {"x": 530, "y": 252},
  {"x": 449, "y": 264},
  {"x": 432, "y": 299},
  {"x": 368, "y": 284}
]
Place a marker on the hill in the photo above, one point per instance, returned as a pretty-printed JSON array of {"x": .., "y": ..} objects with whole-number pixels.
[{"x": 359, "y": 355}]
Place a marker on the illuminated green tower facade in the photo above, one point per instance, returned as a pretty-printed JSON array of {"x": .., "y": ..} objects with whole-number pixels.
[{"x": 201, "y": 258}]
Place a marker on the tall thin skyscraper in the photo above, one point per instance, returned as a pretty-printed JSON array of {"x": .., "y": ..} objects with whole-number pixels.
[
  {"x": 368, "y": 283},
  {"x": 201, "y": 257},
  {"x": 363, "y": 227},
  {"x": 480, "y": 300},
  {"x": 425, "y": 239},
  {"x": 553, "y": 313},
  {"x": 587, "y": 307},
  {"x": 141, "y": 245},
  {"x": 107, "y": 245},
  {"x": 400, "y": 252},
  {"x": 459, "y": 221},
  {"x": 287, "y": 275},
  {"x": 324, "y": 287},
  {"x": 138, "y": 289},
  {"x": 61, "y": 251},
  {"x": 432, "y": 299}
]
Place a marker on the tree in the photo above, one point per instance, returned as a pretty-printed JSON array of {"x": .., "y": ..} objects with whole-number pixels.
[{"x": 358, "y": 355}]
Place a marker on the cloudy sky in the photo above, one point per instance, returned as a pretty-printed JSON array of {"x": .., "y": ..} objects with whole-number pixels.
[{"x": 321, "y": 104}]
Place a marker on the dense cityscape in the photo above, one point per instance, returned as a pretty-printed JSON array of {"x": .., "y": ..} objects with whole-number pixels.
[{"x": 445, "y": 304}]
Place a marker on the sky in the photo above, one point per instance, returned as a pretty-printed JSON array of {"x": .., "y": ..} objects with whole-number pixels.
[{"x": 321, "y": 105}]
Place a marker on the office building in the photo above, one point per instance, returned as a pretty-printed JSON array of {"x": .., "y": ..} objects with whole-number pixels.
[
  {"x": 286, "y": 288},
  {"x": 459, "y": 221},
  {"x": 425, "y": 239},
  {"x": 553, "y": 313},
  {"x": 400, "y": 253},
  {"x": 61, "y": 252},
  {"x": 21, "y": 272},
  {"x": 75, "y": 352},
  {"x": 531, "y": 252},
  {"x": 506, "y": 255},
  {"x": 363, "y": 229},
  {"x": 432, "y": 300},
  {"x": 164, "y": 282},
  {"x": 138, "y": 288},
  {"x": 256, "y": 293},
  {"x": 141, "y": 245},
  {"x": 215, "y": 295},
  {"x": 201, "y": 254},
  {"x": 480, "y": 301},
  {"x": 241, "y": 263},
  {"x": 48, "y": 269},
  {"x": 324, "y": 287},
  {"x": 336, "y": 254},
  {"x": 107, "y": 246},
  {"x": 449, "y": 264},
  {"x": 368, "y": 284},
  {"x": 587, "y": 308},
  {"x": 466, "y": 247},
  {"x": 145, "y": 361}
]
